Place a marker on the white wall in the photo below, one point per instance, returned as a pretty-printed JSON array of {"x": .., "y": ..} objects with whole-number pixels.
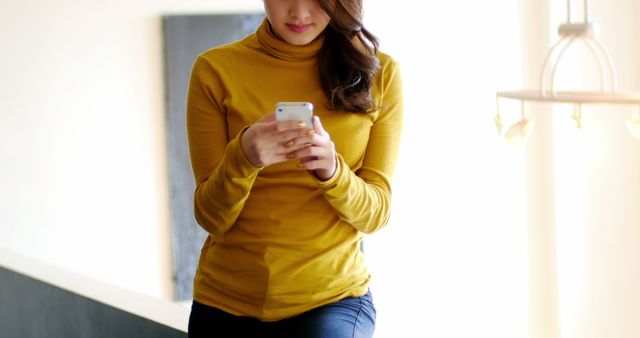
[
  {"x": 82, "y": 144},
  {"x": 452, "y": 262}
]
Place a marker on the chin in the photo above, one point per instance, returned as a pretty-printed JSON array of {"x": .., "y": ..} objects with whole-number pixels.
[{"x": 298, "y": 41}]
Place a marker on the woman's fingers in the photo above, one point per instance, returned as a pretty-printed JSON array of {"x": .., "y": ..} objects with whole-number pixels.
[
  {"x": 317, "y": 126},
  {"x": 268, "y": 118},
  {"x": 270, "y": 141},
  {"x": 295, "y": 140},
  {"x": 290, "y": 125},
  {"x": 316, "y": 153}
]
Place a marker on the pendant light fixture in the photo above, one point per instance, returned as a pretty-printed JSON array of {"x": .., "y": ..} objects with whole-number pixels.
[{"x": 570, "y": 33}]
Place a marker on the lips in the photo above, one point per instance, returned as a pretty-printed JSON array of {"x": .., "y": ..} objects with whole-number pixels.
[{"x": 298, "y": 28}]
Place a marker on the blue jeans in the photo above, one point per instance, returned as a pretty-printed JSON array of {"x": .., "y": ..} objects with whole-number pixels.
[{"x": 349, "y": 317}]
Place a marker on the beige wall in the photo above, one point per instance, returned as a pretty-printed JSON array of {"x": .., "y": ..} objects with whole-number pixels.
[{"x": 82, "y": 145}]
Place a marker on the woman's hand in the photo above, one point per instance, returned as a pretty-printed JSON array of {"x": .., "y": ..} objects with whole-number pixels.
[
  {"x": 269, "y": 141},
  {"x": 318, "y": 154}
]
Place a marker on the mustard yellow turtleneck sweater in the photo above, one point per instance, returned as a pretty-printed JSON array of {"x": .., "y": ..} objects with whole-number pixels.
[{"x": 280, "y": 241}]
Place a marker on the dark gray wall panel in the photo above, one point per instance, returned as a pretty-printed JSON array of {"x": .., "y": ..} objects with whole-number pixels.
[
  {"x": 33, "y": 309},
  {"x": 186, "y": 36}
]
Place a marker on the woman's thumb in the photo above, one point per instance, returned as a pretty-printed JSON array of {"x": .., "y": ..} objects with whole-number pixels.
[
  {"x": 268, "y": 118},
  {"x": 317, "y": 126}
]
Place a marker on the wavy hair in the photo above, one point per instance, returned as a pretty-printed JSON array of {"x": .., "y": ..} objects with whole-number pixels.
[{"x": 347, "y": 60}]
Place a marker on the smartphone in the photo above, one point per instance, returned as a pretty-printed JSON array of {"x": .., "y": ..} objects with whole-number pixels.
[{"x": 301, "y": 111}]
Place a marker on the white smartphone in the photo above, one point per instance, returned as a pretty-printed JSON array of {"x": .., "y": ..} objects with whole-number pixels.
[{"x": 301, "y": 111}]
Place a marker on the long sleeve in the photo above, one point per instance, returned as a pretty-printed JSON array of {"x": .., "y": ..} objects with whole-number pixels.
[
  {"x": 224, "y": 176},
  {"x": 284, "y": 242},
  {"x": 363, "y": 198}
]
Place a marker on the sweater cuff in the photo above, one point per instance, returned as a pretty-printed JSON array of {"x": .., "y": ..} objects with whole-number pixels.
[
  {"x": 334, "y": 181},
  {"x": 245, "y": 166}
]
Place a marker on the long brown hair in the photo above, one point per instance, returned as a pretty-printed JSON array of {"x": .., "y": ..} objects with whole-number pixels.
[{"x": 347, "y": 61}]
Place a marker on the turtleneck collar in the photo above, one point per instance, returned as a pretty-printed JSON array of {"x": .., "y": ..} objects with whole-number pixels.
[{"x": 281, "y": 49}]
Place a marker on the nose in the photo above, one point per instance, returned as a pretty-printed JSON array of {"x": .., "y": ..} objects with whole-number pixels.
[{"x": 300, "y": 9}]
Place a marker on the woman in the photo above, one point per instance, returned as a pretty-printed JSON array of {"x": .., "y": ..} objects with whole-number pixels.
[{"x": 286, "y": 204}]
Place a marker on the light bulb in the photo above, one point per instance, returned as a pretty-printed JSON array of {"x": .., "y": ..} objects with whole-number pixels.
[
  {"x": 519, "y": 132},
  {"x": 634, "y": 125},
  {"x": 577, "y": 116},
  {"x": 499, "y": 124},
  {"x": 578, "y": 121}
]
